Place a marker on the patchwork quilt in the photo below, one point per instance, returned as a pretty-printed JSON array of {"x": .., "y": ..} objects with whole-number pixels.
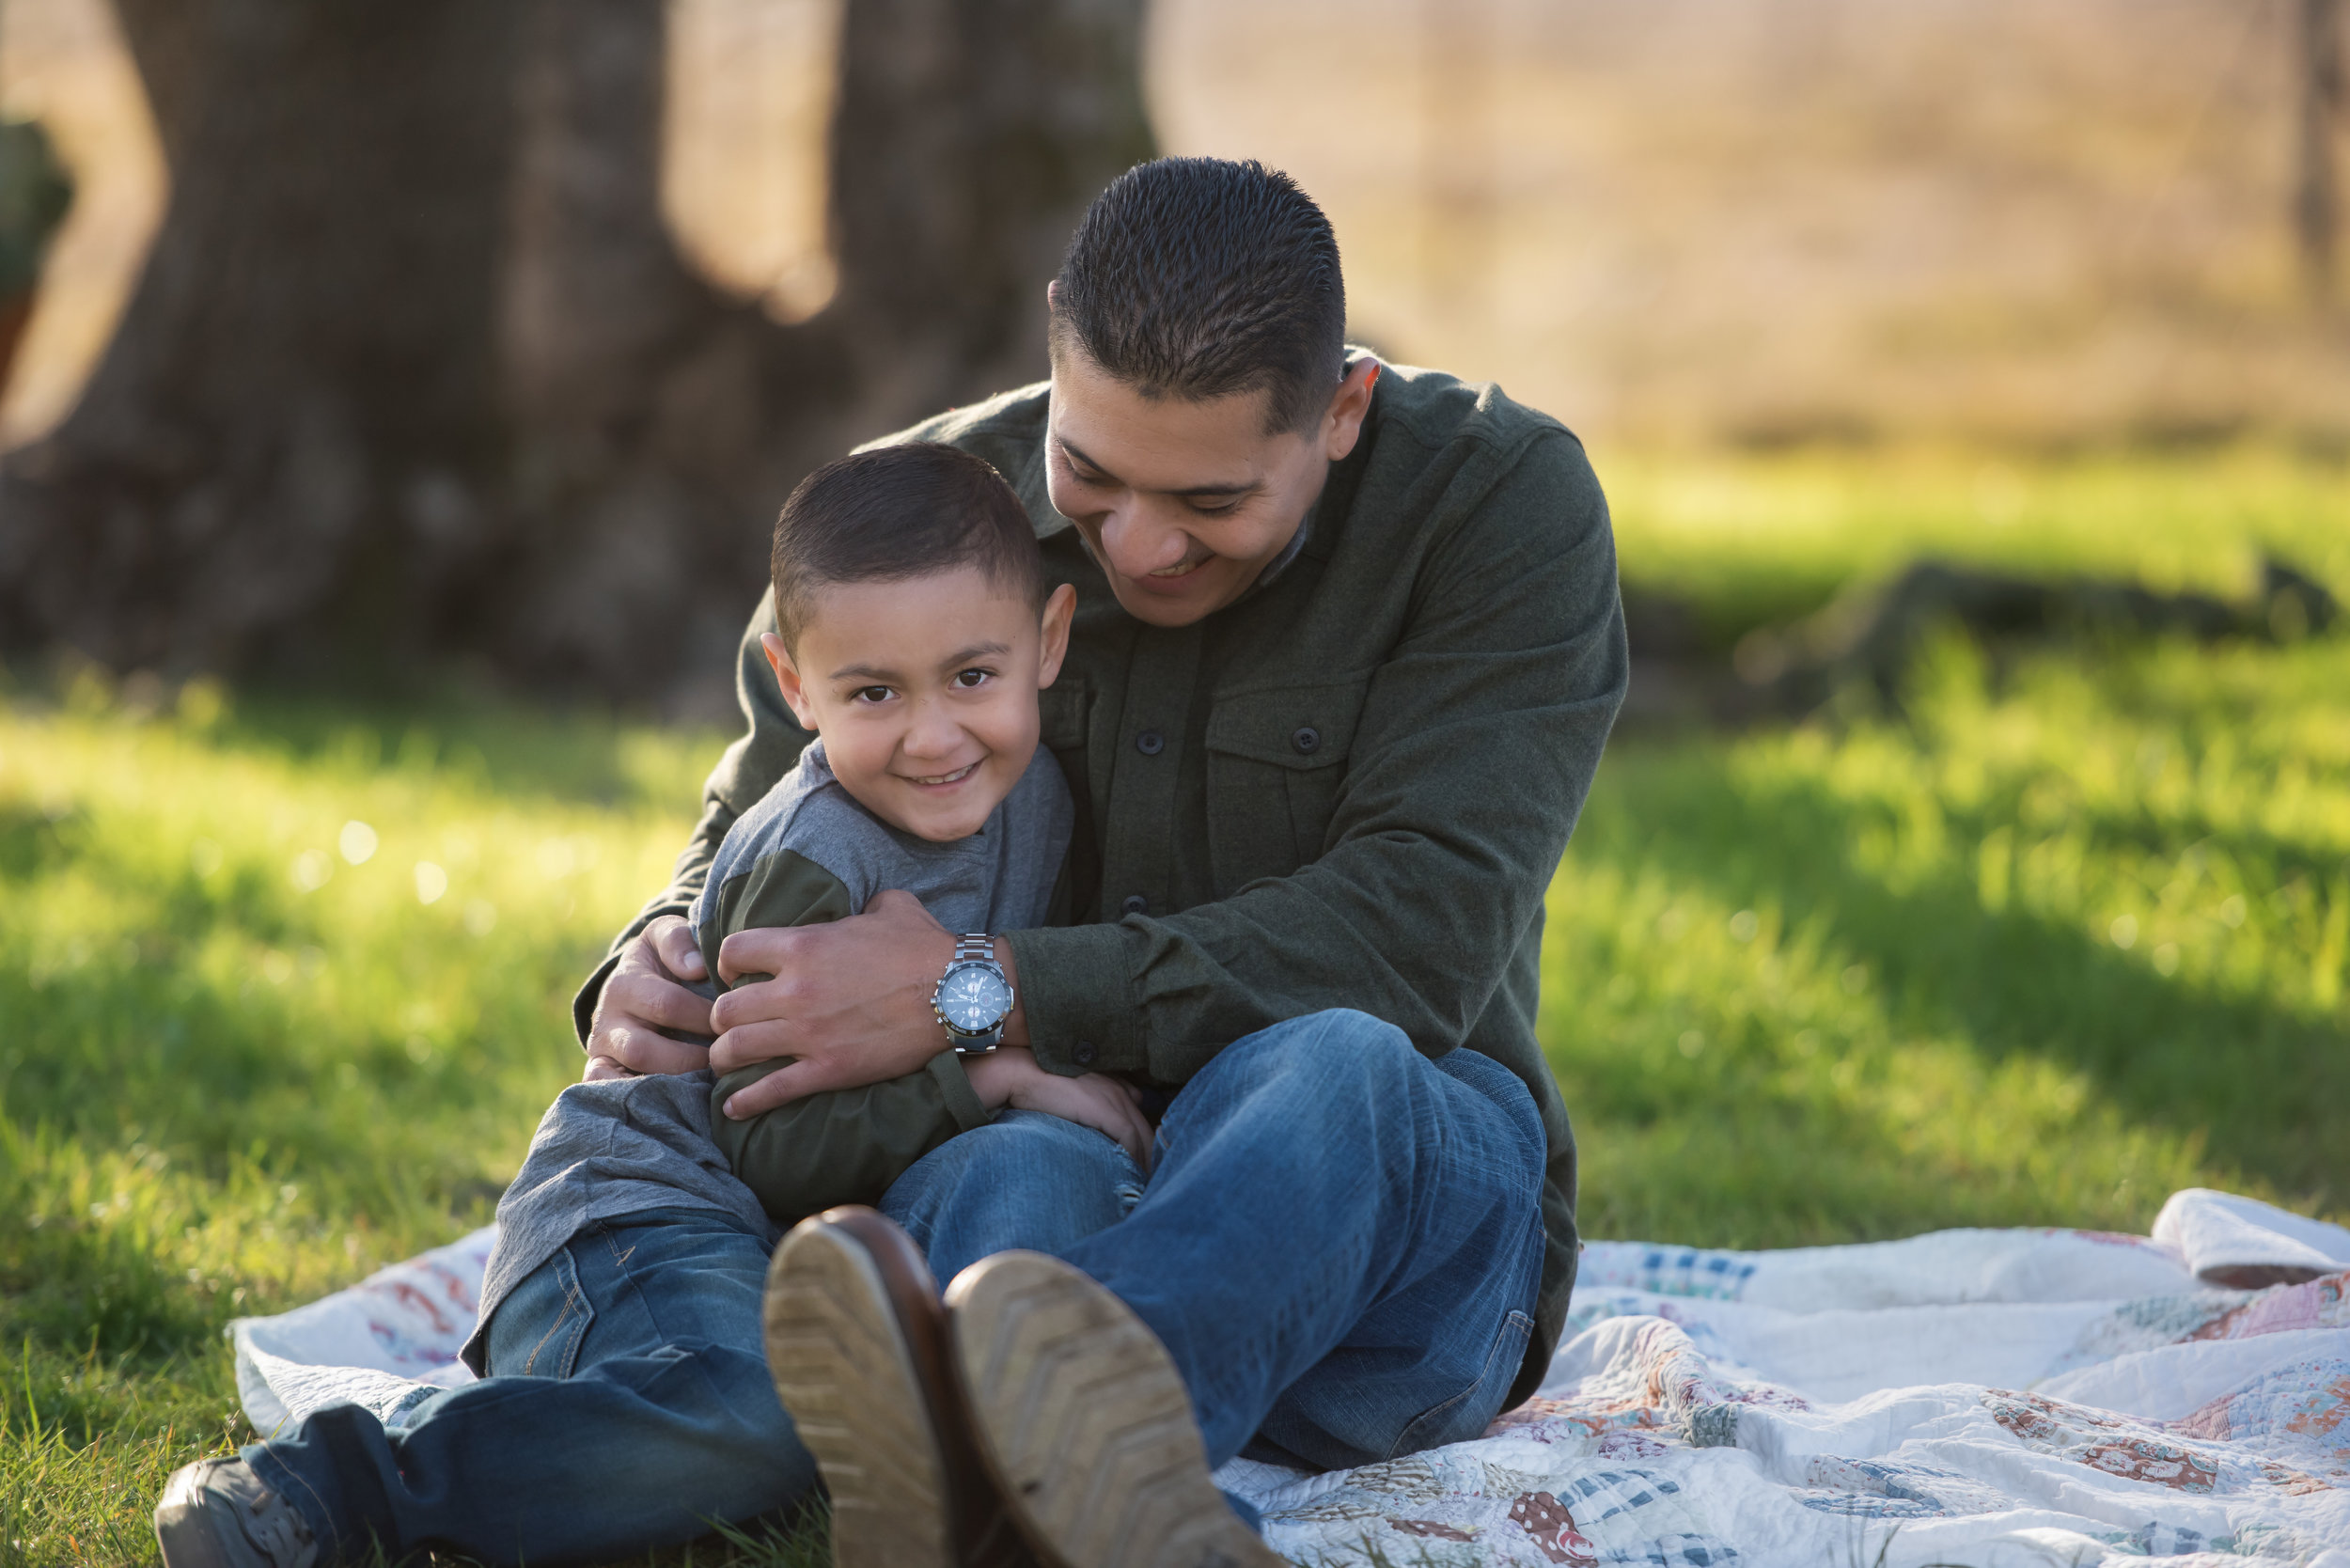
[{"x": 1992, "y": 1398}]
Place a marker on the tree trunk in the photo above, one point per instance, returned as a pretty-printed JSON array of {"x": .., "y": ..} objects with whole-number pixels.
[
  {"x": 415, "y": 369},
  {"x": 2316, "y": 218}
]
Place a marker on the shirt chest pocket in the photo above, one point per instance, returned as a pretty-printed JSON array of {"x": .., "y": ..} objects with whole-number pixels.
[
  {"x": 1063, "y": 711},
  {"x": 1277, "y": 759}
]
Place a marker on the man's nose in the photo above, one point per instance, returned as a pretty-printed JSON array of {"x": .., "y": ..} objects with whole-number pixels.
[{"x": 1136, "y": 546}]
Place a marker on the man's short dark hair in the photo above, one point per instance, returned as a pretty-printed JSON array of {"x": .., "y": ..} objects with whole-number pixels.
[
  {"x": 1200, "y": 278},
  {"x": 895, "y": 512}
]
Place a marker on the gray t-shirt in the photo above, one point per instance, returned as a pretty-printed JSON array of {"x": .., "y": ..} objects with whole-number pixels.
[{"x": 623, "y": 1146}]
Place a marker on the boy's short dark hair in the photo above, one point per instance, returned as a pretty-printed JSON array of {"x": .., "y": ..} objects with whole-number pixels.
[
  {"x": 1200, "y": 278},
  {"x": 895, "y": 512}
]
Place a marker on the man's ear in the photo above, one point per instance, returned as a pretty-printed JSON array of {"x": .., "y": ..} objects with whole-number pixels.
[
  {"x": 1342, "y": 421},
  {"x": 1058, "y": 610},
  {"x": 787, "y": 680}
]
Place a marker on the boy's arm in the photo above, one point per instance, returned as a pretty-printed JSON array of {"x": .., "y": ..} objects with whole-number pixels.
[{"x": 842, "y": 1146}]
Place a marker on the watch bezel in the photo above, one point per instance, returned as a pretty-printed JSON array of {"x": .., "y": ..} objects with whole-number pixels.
[
  {"x": 985, "y": 967},
  {"x": 973, "y": 951}
]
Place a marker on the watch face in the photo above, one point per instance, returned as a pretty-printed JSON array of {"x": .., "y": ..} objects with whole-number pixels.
[{"x": 974, "y": 998}]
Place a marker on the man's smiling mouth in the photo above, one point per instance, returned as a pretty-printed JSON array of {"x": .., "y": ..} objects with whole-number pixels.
[
  {"x": 1183, "y": 568},
  {"x": 955, "y": 777}
]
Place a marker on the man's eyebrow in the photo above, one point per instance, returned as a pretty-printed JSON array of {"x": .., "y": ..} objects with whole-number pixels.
[{"x": 1073, "y": 449}]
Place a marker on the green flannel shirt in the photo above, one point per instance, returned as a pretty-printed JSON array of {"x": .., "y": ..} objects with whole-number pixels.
[{"x": 1350, "y": 788}]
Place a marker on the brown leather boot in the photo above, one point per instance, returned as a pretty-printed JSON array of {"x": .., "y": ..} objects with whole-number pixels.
[
  {"x": 856, "y": 1342},
  {"x": 1085, "y": 1425}
]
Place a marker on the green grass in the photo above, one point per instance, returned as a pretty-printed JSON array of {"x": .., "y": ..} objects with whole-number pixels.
[
  {"x": 2072, "y": 932},
  {"x": 2038, "y": 955},
  {"x": 1758, "y": 540}
]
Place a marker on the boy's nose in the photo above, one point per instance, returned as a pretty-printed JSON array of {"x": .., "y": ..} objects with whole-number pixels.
[{"x": 932, "y": 731}]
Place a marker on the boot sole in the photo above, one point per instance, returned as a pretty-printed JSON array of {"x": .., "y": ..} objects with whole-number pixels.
[
  {"x": 844, "y": 1369},
  {"x": 1085, "y": 1425}
]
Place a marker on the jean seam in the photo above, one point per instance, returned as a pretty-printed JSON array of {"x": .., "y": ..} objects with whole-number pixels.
[
  {"x": 573, "y": 1296},
  {"x": 1485, "y": 1373},
  {"x": 660, "y": 1326}
]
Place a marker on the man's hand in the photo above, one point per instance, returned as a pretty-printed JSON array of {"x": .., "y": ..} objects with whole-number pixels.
[
  {"x": 851, "y": 999},
  {"x": 1110, "y": 1106},
  {"x": 642, "y": 998}
]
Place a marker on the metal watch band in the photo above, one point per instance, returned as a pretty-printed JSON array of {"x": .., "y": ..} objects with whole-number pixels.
[{"x": 973, "y": 945}]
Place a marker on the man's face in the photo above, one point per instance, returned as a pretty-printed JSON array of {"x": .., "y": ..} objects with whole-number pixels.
[
  {"x": 924, "y": 691},
  {"x": 1186, "y": 503}
]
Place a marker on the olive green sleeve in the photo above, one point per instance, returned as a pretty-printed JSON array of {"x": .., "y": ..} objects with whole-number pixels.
[{"x": 845, "y": 1146}]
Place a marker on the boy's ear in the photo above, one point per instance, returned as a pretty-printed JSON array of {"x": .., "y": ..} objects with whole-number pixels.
[
  {"x": 787, "y": 680},
  {"x": 1058, "y": 611}
]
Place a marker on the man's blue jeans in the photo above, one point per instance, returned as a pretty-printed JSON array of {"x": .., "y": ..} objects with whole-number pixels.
[{"x": 1339, "y": 1243}]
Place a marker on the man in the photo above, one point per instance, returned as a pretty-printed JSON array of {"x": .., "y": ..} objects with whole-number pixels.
[{"x": 1346, "y": 650}]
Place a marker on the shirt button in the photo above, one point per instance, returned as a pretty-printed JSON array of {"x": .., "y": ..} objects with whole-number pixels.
[
  {"x": 1083, "y": 1053},
  {"x": 1135, "y": 904},
  {"x": 1150, "y": 742},
  {"x": 1306, "y": 739}
]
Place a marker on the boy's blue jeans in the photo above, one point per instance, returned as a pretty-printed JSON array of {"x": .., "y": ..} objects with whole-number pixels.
[{"x": 1339, "y": 1244}]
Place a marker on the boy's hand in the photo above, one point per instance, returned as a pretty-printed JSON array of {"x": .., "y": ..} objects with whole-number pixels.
[
  {"x": 850, "y": 999},
  {"x": 642, "y": 998},
  {"x": 1111, "y": 1106}
]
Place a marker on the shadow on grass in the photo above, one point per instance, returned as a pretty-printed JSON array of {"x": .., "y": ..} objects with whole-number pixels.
[
  {"x": 2265, "y": 1087},
  {"x": 516, "y": 744},
  {"x": 538, "y": 749}
]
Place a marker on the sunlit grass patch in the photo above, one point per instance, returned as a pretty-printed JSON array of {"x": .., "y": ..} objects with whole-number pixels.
[
  {"x": 2036, "y": 953},
  {"x": 1757, "y": 539},
  {"x": 283, "y": 996}
]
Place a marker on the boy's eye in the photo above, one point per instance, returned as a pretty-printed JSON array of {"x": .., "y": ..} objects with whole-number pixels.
[
  {"x": 869, "y": 694},
  {"x": 966, "y": 679}
]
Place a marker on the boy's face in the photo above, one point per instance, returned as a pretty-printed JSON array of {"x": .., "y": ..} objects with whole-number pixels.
[{"x": 924, "y": 690}]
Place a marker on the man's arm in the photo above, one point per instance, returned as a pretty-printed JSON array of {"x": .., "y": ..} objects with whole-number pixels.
[
  {"x": 634, "y": 994},
  {"x": 844, "y": 1146},
  {"x": 1471, "y": 760},
  {"x": 848, "y": 1145}
]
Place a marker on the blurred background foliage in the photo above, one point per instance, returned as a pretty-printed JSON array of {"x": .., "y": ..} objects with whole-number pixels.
[
  {"x": 1751, "y": 221},
  {"x": 2031, "y": 928}
]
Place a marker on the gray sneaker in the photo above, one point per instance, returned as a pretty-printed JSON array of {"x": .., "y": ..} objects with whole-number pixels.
[{"x": 217, "y": 1513}]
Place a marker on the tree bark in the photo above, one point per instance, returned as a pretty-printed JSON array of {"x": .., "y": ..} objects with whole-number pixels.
[
  {"x": 2316, "y": 218},
  {"x": 416, "y": 372}
]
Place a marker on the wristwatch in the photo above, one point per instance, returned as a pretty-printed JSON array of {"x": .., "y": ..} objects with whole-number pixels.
[{"x": 973, "y": 998}]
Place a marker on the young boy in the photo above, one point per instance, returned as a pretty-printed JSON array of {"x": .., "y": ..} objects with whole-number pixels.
[{"x": 915, "y": 634}]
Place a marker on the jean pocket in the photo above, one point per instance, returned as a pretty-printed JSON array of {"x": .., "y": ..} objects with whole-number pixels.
[
  {"x": 538, "y": 1328},
  {"x": 1466, "y": 1414}
]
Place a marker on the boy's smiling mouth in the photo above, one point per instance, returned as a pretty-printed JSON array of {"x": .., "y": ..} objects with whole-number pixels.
[{"x": 943, "y": 780}]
